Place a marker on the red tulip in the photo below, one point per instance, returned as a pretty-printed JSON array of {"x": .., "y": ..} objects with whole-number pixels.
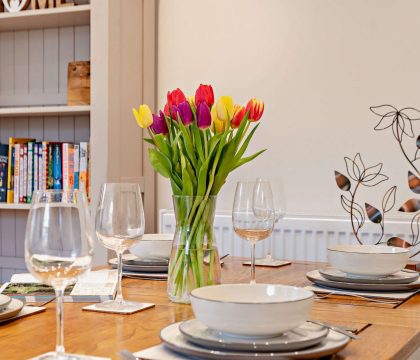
[
  {"x": 175, "y": 97},
  {"x": 255, "y": 109},
  {"x": 166, "y": 110},
  {"x": 204, "y": 93},
  {"x": 238, "y": 116}
]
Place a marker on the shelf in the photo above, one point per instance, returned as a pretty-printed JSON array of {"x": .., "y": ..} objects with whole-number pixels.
[
  {"x": 63, "y": 110},
  {"x": 5, "y": 206},
  {"x": 45, "y": 18}
]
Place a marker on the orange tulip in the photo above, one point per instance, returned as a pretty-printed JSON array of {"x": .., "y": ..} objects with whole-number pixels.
[
  {"x": 255, "y": 109},
  {"x": 238, "y": 116}
]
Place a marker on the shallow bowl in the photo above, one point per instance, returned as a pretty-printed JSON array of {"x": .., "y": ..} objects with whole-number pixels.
[
  {"x": 251, "y": 310},
  {"x": 368, "y": 260},
  {"x": 154, "y": 245}
]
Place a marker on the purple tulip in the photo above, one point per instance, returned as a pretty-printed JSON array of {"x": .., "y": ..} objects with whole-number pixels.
[
  {"x": 184, "y": 111},
  {"x": 203, "y": 116},
  {"x": 159, "y": 124},
  {"x": 174, "y": 112}
]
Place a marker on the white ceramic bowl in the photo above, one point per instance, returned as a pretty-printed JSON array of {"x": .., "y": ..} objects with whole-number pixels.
[
  {"x": 154, "y": 245},
  {"x": 368, "y": 260},
  {"x": 251, "y": 310}
]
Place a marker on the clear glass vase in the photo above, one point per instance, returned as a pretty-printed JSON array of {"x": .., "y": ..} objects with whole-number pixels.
[{"x": 194, "y": 260}]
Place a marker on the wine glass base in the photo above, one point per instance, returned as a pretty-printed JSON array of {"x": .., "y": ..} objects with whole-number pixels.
[
  {"x": 124, "y": 307},
  {"x": 55, "y": 356},
  {"x": 268, "y": 262}
]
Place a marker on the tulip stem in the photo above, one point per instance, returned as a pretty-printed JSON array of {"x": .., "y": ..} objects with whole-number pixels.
[
  {"x": 151, "y": 135},
  {"x": 206, "y": 151}
]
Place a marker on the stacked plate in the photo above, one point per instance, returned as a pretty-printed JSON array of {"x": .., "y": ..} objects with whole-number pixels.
[
  {"x": 9, "y": 307},
  {"x": 243, "y": 321},
  {"x": 153, "y": 268},
  {"x": 308, "y": 341},
  {"x": 404, "y": 280}
]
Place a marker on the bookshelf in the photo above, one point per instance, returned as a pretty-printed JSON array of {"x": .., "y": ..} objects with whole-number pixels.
[{"x": 119, "y": 38}]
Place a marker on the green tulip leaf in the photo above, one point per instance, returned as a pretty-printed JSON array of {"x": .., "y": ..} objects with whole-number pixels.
[
  {"x": 163, "y": 146},
  {"x": 245, "y": 160},
  {"x": 160, "y": 163}
]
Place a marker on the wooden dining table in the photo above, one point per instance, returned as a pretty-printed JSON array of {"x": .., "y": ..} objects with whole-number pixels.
[{"x": 387, "y": 331}]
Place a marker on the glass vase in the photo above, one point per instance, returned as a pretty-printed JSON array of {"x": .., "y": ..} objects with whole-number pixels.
[{"x": 194, "y": 260}]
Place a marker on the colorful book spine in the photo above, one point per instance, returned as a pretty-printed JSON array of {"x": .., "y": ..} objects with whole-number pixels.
[
  {"x": 76, "y": 166},
  {"x": 16, "y": 174},
  {"x": 57, "y": 166},
  {"x": 65, "y": 160},
  {"x": 83, "y": 166},
  {"x": 44, "y": 164},
  {"x": 30, "y": 183},
  {"x": 50, "y": 176},
  {"x": 4, "y": 156},
  {"x": 71, "y": 167},
  {"x": 36, "y": 166},
  {"x": 24, "y": 178},
  {"x": 40, "y": 177}
]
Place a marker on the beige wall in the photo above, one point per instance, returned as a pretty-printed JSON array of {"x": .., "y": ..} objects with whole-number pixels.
[{"x": 318, "y": 65}]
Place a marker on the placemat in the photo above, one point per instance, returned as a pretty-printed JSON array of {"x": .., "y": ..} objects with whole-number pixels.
[{"x": 26, "y": 311}]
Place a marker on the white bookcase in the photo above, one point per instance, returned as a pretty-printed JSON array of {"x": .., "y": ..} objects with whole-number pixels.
[{"x": 35, "y": 49}]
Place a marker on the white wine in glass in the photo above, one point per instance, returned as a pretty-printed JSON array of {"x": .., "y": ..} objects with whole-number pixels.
[
  {"x": 253, "y": 214},
  {"x": 119, "y": 225},
  {"x": 58, "y": 247}
]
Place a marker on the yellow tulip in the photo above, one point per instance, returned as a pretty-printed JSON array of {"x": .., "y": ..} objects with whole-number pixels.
[
  {"x": 218, "y": 125},
  {"x": 143, "y": 116},
  {"x": 191, "y": 101},
  {"x": 224, "y": 107}
]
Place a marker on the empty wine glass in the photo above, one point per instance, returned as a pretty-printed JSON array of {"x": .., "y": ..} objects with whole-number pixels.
[
  {"x": 119, "y": 225},
  {"x": 58, "y": 247},
  {"x": 253, "y": 214},
  {"x": 279, "y": 203}
]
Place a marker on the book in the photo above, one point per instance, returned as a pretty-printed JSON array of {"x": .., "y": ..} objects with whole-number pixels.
[
  {"x": 16, "y": 174},
  {"x": 83, "y": 166},
  {"x": 4, "y": 155},
  {"x": 97, "y": 286},
  {"x": 50, "y": 175},
  {"x": 57, "y": 166},
  {"x": 71, "y": 167},
  {"x": 25, "y": 174},
  {"x": 30, "y": 183},
  {"x": 44, "y": 172},
  {"x": 40, "y": 166},
  {"x": 36, "y": 166},
  {"x": 21, "y": 174},
  {"x": 76, "y": 166},
  {"x": 10, "y": 167},
  {"x": 65, "y": 159}
]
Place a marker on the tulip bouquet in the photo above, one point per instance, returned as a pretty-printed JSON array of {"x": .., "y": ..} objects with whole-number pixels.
[{"x": 196, "y": 144}]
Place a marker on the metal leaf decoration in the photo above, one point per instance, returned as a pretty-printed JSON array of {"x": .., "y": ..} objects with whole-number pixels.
[
  {"x": 373, "y": 214},
  {"x": 411, "y": 205},
  {"x": 413, "y": 183},
  {"x": 398, "y": 242},
  {"x": 342, "y": 181},
  {"x": 418, "y": 142},
  {"x": 388, "y": 201}
]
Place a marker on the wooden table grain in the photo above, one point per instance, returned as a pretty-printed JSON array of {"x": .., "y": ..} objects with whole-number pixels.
[{"x": 387, "y": 331}]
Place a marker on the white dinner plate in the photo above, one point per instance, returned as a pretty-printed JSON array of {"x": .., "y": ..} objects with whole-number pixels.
[
  {"x": 401, "y": 277},
  {"x": 14, "y": 308},
  {"x": 318, "y": 279},
  {"x": 304, "y": 336},
  {"x": 177, "y": 342}
]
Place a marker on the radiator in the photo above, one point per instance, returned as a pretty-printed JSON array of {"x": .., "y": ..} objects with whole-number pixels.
[{"x": 295, "y": 237}]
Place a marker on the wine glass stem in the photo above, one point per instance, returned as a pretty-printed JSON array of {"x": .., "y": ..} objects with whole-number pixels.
[
  {"x": 59, "y": 346},
  {"x": 119, "y": 298},
  {"x": 253, "y": 263}
]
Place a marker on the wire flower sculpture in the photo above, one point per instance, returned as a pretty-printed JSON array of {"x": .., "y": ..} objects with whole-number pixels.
[{"x": 369, "y": 177}]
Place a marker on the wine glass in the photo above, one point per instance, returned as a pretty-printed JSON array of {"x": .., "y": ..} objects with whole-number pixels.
[
  {"x": 279, "y": 202},
  {"x": 119, "y": 225},
  {"x": 58, "y": 247},
  {"x": 253, "y": 214}
]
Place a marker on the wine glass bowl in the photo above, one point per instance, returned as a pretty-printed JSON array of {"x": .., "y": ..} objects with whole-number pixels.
[{"x": 58, "y": 247}]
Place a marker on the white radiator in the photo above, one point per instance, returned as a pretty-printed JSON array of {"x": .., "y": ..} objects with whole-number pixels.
[{"x": 295, "y": 237}]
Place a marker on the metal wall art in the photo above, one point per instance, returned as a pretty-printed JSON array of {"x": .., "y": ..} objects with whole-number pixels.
[{"x": 401, "y": 124}]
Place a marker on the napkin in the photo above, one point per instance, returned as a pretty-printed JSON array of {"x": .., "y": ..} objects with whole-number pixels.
[
  {"x": 159, "y": 352},
  {"x": 396, "y": 295}
]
